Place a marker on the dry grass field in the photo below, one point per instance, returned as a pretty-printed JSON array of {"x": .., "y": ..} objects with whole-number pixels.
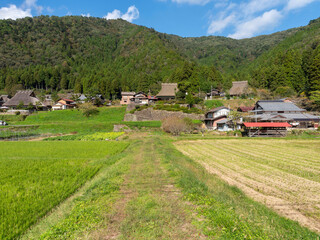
[{"x": 282, "y": 174}]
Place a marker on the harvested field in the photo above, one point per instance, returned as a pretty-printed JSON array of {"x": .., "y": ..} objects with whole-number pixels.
[{"x": 283, "y": 174}]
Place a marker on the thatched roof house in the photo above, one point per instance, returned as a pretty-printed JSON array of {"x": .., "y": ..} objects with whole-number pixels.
[
  {"x": 239, "y": 88},
  {"x": 168, "y": 91},
  {"x": 4, "y": 99},
  {"x": 25, "y": 97}
]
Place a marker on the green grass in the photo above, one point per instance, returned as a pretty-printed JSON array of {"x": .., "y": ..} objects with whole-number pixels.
[
  {"x": 36, "y": 176},
  {"x": 88, "y": 211},
  {"x": 98, "y": 136},
  {"x": 145, "y": 124},
  {"x": 12, "y": 118},
  {"x": 210, "y": 104},
  {"x": 66, "y": 121}
]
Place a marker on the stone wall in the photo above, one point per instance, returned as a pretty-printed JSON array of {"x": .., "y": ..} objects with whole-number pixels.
[{"x": 150, "y": 114}]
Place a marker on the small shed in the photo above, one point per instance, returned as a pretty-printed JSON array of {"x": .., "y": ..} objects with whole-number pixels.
[{"x": 266, "y": 129}]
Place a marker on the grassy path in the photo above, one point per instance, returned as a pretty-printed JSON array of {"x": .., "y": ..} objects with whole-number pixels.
[
  {"x": 153, "y": 191},
  {"x": 151, "y": 207}
]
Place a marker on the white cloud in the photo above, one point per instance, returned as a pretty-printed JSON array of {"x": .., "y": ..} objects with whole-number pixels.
[
  {"x": 193, "y": 2},
  {"x": 86, "y": 15},
  {"x": 12, "y": 12},
  {"x": 113, "y": 15},
  {"x": 250, "y": 28},
  {"x": 295, "y": 4},
  {"x": 256, "y": 6},
  {"x": 218, "y": 25},
  {"x": 130, "y": 15},
  {"x": 50, "y": 10},
  {"x": 250, "y": 17},
  {"x": 32, "y": 4}
]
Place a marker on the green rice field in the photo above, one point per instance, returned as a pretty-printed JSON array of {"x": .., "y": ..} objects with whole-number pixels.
[{"x": 36, "y": 176}]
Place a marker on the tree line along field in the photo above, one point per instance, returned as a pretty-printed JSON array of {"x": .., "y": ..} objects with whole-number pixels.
[
  {"x": 36, "y": 176},
  {"x": 282, "y": 174}
]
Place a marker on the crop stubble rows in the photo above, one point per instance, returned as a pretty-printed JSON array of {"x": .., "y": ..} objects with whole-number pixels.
[{"x": 283, "y": 174}]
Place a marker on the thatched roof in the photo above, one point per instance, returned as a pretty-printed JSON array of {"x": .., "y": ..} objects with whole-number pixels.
[
  {"x": 4, "y": 98},
  {"x": 239, "y": 88},
  {"x": 26, "y": 97},
  {"x": 168, "y": 90}
]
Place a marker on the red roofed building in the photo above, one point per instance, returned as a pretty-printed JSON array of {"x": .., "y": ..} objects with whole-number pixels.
[
  {"x": 266, "y": 129},
  {"x": 245, "y": 109}
]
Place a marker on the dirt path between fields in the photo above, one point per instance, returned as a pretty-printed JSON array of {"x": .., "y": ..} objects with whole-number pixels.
[{"x": 150, "y": 206}]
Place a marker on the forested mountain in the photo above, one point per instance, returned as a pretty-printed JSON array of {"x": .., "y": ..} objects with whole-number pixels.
[{"x": 96, "y": 55}]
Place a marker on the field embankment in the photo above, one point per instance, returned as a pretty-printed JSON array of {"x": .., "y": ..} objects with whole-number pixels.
[{"x": 283, "y": 174}]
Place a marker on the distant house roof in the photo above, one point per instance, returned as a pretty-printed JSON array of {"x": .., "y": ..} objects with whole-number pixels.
[
  {"x": 214, "y": 92},
  {"x": 245, "y": 109},
  {"x": 82, "y": 97},
  {"x": 127, "y": 93},
  {"x": 266, "y": 124},
  {"x": 278, "y": 106},
  {"x": 217, "y": 109},
  {"x": 4, "y": 98},
  {"x": 238, "y": 88},
  {"x": 67, "y": 100},
  {"x": 223, "y": 121},
  {"x": 26, "y": 97},
  {"x": 168, "y": 90},
  {"x": 152, "y": 98}
]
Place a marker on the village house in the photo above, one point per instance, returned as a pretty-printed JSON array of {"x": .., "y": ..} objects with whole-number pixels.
[
  {"x": 126, "y": 97},
  {"x": 23, "y": 98},
  {"x": 82, "y": 98},
  {"x": 215, "y": 115},
  {"x": 168, "y": 91},
  {"x": 48, "y": 102},
  {"x": 239, "y": 88},
  {"x": 283, "y": 111},
  {"x": 214, "y": 93},
  {"x": 140, "y": 98},
  {"x": 152, "y": 99},
  {"x": 63, "y": 104},
  {"x": 3, "y": 99}
]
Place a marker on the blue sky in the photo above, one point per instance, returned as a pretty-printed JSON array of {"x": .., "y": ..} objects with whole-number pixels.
[{"x": 187, "y": 18}]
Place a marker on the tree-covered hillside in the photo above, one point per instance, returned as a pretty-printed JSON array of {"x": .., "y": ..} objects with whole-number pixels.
[{"x": 96, "y": 55}]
